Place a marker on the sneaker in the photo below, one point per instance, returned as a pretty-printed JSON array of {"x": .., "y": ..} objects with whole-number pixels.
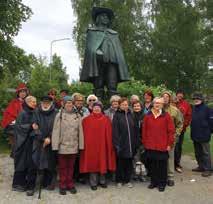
[
  {"x": 206, "y": 174},
  {"x": 104, "y": 185},
  {"x": 62, "y": 191},
  {"x": 178, "y": 169},
  {"x": 73, "y": 190},
  {"x": 50, "y": 187},
  {"x": 161, "y": 188},
  {"x": 170, "y": 183},
  {"x": 18, "y": 188},
  {"x": 94, "y": 188},
  {"x": 119, "y": 185},
  {"x": 129, "y": 185},
  {"x": 151, "y": 186},
  {"x": 30, "y": 192},
  {"x": 198, "y": 169}
]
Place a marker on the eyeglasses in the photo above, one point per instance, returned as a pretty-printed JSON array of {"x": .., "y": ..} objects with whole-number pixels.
[{"x": 92, "y": 100}]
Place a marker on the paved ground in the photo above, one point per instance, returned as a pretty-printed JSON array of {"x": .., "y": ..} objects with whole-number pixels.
[{"x": 190, "y": 188}]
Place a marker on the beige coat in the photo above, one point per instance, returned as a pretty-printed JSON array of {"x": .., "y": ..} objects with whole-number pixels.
[{"x": 67, "y": 136}]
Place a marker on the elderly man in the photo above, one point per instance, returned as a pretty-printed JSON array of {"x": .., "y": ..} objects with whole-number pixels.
[
  {"x": 201, "y": 134},
  {"x": 25, "y": 171},
  {"x": 104, "y": 63},
  {"x": 177, "y": 118},
  {"x": 186, "y": 110},
  {"x": 43, "y": 156}
]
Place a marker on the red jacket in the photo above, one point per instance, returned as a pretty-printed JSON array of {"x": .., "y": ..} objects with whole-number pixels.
[
  {"x": 98, "y": 154},
  {"x": 11, "y": 112},
  {"x": 186, "y": 110},
  {"x": 158, "y": 133}
]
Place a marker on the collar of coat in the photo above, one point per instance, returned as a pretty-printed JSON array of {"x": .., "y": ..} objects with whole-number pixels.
[
  {"x": 163, "y": 112},
  {"x": 106, "y": 30}
]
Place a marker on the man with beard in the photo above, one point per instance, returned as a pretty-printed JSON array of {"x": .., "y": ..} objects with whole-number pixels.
[{"x": 43, "y": 156}]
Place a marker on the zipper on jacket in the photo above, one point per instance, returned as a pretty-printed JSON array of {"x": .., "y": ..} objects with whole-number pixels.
[{"x": 130, "y": 145}]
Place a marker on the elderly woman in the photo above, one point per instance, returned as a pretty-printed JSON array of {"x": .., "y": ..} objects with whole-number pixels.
[
  {"x": 90, "y": 100},
  {"x": 114, "y": 101},
  {"x": 158, "y": 138},
  {"x": 148, "y": 97},
  {"x": 138, "y": 116},
  {"x": 25, "y": 171},
  {"x": 98, "y": 156},
  {"x": 125, "y": 142},
  {"x": 43, "y": 156},
  {"x": 78, "y": 101},
  {"x": 67, "y": 139},
  {"x": 11, "y": 112}
]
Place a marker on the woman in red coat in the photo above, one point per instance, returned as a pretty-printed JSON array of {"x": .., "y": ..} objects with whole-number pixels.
[
  {"x": 11, "y": 112},
  {"x": 158, "y": 138},
  {"x": 98, "y": 155}
]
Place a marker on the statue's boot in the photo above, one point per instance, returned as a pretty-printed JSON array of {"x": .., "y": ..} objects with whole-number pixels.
[{"x": 100, "y": 94}]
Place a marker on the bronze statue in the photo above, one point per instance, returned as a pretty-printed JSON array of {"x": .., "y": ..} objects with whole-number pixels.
[{"x": 104, "y": 63}]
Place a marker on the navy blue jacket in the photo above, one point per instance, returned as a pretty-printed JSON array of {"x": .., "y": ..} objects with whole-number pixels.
[
  {"x": 124, "y": 134},
  {"x": 200, "y": 125}
]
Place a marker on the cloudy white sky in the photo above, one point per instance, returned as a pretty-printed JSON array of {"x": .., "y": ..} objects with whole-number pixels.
[{"x": 52, "y": 19}]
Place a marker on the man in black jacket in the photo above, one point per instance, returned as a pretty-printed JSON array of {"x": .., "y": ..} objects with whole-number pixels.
[
  {"x": 201, "y": 135},
  {"x": 43, "y": 156}
]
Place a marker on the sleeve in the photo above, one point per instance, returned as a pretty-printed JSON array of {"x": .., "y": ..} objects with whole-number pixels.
[
  {"x": 144, "y": 131},
  {"x": 170, "y": 130},
  {"x": 115, "y": 132},
  {"x": 56, "y": 132},
  {"x": 188, "y": 116},
  {"x": 81, "y": 135},
  {"x": 10, "y": 114},
  {"x": 22, "y": 130},
  {"x": 178, "y": 122}
]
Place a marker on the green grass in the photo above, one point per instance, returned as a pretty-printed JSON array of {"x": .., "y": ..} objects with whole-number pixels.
[
  {"x": 188, "y": 147},
  {"x": 4, "y": 147}
]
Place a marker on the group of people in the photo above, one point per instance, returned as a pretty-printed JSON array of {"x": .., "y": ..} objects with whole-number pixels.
[{"x": 129, "y": 140}]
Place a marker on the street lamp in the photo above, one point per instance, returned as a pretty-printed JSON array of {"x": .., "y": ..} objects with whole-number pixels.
[{"x": 51, "y": 49}]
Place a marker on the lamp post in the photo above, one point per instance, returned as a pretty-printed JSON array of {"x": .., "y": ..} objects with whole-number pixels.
[{"x": 51, "y": 49}]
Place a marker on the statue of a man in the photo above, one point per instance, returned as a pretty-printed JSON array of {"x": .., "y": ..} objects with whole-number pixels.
[{"x": 104, "y": 63}]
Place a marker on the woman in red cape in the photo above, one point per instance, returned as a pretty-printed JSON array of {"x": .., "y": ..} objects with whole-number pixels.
[{"x": 98, "y": 155}]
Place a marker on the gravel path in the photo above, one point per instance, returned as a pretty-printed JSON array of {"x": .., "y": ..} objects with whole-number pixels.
[{"x": 190, "y": 188}]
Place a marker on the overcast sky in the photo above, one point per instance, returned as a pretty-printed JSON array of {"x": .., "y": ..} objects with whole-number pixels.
[{"x": 51, "y": 20}]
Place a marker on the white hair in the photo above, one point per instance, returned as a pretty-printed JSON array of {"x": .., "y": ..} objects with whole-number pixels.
[
  {"x": 135, "y": 97},
  {"x": 158, "y": 98},
  {"x": 29, "y": 99},
  {"x": 114, "y": 98},
  {"x": 92, "y": 96}
]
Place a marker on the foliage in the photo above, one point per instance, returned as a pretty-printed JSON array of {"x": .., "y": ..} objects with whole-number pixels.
[
  {"x": 165, "y": 42},
  {"x": 12, "y": 14}
]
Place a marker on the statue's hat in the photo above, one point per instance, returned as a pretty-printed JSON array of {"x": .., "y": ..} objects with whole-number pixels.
[{"x": 98, "y": 10}]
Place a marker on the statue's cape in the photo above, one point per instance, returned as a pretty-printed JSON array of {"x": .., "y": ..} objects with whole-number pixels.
[{"x": 94, "y": 40}]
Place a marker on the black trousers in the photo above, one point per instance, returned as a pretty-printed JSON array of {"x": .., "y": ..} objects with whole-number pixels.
[
  {"x": 158, "y": 172},
  {"x": 178, "y": 149},
  {"x": 124, "y": 170},
  {"x": 203, "y": 155},
  {"x": 108, "y": 76},
  {"x": 26, "y": 178}
]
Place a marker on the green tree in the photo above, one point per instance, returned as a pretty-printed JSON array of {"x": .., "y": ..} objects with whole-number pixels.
[
  {"x": 12, "y": 14},
  {"x": 40, "y": 82},
  {"x": 130, "y": 24}
]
